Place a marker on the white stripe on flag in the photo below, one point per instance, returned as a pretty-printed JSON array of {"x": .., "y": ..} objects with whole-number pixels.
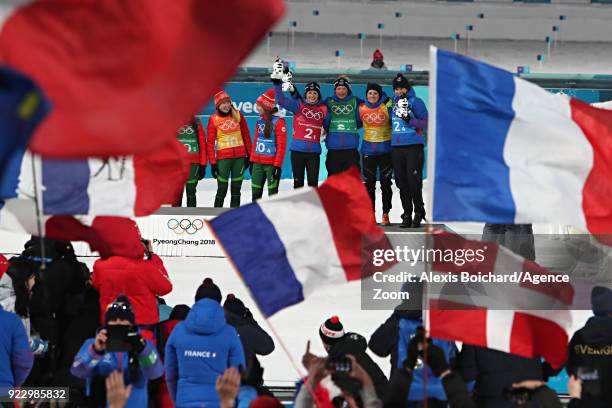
[
  {"x": 301, "y": 223},
  {"x": 112, "y": 188},
  {"x": 499, "y": 329},
  {"x": 549, "y": 158}
]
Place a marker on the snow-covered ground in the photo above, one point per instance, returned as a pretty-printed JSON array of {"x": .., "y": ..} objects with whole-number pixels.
[{"x": 318, "y": 52}]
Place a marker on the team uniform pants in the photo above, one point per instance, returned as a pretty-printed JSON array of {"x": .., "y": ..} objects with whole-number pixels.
[
  {"x": 259, "y": 175},
  {"x": 372, "y": 167},
  {"x": 338, "y": 161},
  {"x": 190, "y": 187},
  {"x": 230, "y": 171},
  {"x": 408, "y": 164},
  {"x": 309, "y": 162}
]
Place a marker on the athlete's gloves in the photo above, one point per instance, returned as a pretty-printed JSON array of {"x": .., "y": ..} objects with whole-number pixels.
[
  {"x": 201, "y": 171},
  {"x": 278, "y": 71},
  {"x": 277, "y": 173},
  {"x": 214, "y": 170},
  {"x": 247, "y": 164},
  {"x": 288, "y": 82}
]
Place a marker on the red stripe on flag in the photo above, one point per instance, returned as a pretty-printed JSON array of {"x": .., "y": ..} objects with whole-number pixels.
[
  {"x": 123, "y": 76},
  {"x": 351, "y": 219},
  {"x": 449, "y": 320},
  {"x": 596, "y": 124},
  {"x": 534, "y": 336},
  {"x": 564, "y": 291},
  {"x": 450, "y": 243},
  {"x": 170, "y": 163}
]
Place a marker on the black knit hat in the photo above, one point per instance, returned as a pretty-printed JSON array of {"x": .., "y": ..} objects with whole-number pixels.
[
  {"x": 342, "y": 81},
  {"x": 400, "y": 81},
  {"x": 179, "y": 312},
  {"x": 331, "y": 331},
  {"x": 374, "y": 87},
  {"x": 601, "y": 299},
  {"x": 234, "y": 305},
  {"x": 120, "y": 309},
  {"x": 209, "y": 290},
  {"x": 313, "y": 86}
]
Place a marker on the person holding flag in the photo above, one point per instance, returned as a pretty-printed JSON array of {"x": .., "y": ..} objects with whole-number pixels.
[
  {"x": 342, "y": 127},
  {"x": 228, "y": 147},
  {"x": 269, "y": 142},
  {"x": 309, "y": 113},
  {"x": 193, "y": 138},
  {"x": 376, "y": 147},
  {"x": 409, "y": 119}
]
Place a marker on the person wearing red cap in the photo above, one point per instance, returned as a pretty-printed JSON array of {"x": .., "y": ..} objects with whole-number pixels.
[
  {"x": 228, "y": 146},
  {"x": 378, "y": 61},
  {"x": 193, "y": 138},
  {"x": 269, "y": 142}
]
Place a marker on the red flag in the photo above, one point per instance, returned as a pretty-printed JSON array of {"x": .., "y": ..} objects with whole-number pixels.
[
  {"x": 122, "y": 76},
  {"x": 516, "y": 316}
]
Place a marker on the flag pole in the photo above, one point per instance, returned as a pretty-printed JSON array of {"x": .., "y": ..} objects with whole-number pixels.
[
  {"x": 43, "y": 264},
  {"x": 265, "y": 316}
]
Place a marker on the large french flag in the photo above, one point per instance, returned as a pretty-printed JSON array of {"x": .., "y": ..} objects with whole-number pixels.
[
  {"x": 506, "y": 151},
  {"x": 122, "y": 186},
  {"x": 286, "y": 247},
  {"x": 523, "y": 318},
  {"x": 123, "y": 75}
]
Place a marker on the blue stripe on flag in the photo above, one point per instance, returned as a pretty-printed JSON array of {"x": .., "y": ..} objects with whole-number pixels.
[
  {"x": 252, "y": 243},
  {"x": 9, "y": 179},
  {"x": 65, "y": 187},
  {"x": 473, "y": 116}
]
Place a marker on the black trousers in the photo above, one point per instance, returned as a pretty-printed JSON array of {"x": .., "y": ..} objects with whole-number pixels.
[
  {"x": 372, "y": 166},
  {"x": 408, "y": 164},
  {"x": 339, "y": 160},
  {"x": 309, "y": 162}
]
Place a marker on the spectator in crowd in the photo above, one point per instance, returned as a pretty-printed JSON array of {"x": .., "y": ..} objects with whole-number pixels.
[
  {"x": 228, "y": 146},
  {"x": 82, "y": 324},
  {"x": 269, "y": 142},
  {"x": 338, "y": 343},
  {"x": 308, "y": 116},
  {"x": 409, "y": 121},
  {"x": 178, "y": 314},
  {"x": 138, "y": 361},
  {"x": 200, "y": 349},
  {"x": 255, "y": 341},
  {"x": 516, "y": 237},
  {"x": 342, "y": 127},
  {"x": 409, "y": 328},
  {"x": 134, "y": 270},
  {"x": 376, "y": 147},
  {"x": 378, "y": 61},
  {"x": 16, "y": 358},
  {"x": 589, "y": 353},
  {"x": 16, "y": 286},
  {"x": 193, "y": 138},
  {"x": 495, "y": 372}
]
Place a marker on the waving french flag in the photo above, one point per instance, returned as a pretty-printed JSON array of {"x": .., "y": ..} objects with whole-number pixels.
[
  {"x": 55, "y": 191},
  {"x": 503, "y": 150},
  {"x": 520, "y": 317},
  {"x": 286, "y": 247}
]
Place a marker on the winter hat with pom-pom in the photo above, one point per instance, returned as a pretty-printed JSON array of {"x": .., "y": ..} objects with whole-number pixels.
[
  {"x": 234, "y": 305},
  {"x": 120, "y": 309},
  {"x": 331, "y": 331},
  {"x": 266, "y": 100},
  {"x": 209, "y": 290}
]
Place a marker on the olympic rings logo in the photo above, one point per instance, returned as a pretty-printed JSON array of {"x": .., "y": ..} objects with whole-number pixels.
[
  {"x": 260, "y": 128},
  {"x": 185, "y": 226},
  {"x": 374, "y": 117},
  {"x": 186, "y": 130},
  {"x": 228, "y": 125},
  {"x": 310, "y": 114},
  {"x": 342, "y": 109}
]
